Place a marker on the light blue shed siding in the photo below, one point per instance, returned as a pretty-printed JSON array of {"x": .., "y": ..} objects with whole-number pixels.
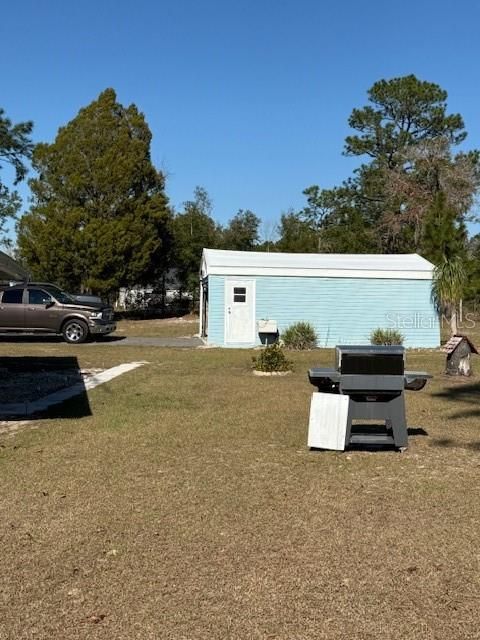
[
  {"x": 342, "y": 310},
  {"x": 216, "y": 310}
]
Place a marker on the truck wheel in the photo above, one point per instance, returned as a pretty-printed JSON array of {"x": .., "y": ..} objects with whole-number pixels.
[{"x": 75, "y": 331}]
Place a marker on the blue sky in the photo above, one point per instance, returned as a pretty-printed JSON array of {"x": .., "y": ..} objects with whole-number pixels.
[{"x": 249, "y": 99}]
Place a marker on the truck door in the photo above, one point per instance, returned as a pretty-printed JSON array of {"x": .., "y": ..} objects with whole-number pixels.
[
  {"x": 41, "y": 311},
  {"x": 12, "y": 309}
]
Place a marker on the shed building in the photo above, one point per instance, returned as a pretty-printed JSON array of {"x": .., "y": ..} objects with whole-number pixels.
[{"x": 246, "y": 297}]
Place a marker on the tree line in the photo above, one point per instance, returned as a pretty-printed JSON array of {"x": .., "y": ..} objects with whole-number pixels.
[{"x": 100, "y": 217}]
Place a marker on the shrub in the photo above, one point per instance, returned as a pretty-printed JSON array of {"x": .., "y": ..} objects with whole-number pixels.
[
  {"x": 386, "y": 336},
  {"x": 300, "y": 336},
  {"x": 271, "y": 358}
]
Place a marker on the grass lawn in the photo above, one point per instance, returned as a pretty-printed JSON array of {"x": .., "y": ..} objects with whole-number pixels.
[{"x": 187, "y": 507}]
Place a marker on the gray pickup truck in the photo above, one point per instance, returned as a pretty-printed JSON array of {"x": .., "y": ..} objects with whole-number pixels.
[{"x": 44, "y": 308}]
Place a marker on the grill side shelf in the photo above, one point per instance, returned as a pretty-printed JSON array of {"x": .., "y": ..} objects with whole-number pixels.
[
  {"x": 325, "y": 379},
  {"x": 416, "y": 380}
]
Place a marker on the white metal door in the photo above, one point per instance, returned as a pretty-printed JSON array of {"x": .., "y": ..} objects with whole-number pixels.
[{"x": 240, "y": 311}]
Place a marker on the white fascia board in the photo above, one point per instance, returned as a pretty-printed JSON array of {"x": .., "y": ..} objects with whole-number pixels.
[
  {"x": 203, "y": 267},
  {"x": 321, "y": 273}
]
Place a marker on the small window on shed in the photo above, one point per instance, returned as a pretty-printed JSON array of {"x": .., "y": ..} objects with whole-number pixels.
[
  {"x": 12, "y": 296},
  {"x": 239, "y": 294}
]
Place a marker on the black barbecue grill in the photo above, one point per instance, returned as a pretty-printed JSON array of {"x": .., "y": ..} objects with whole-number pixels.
[{"x": 374, "y": 378}]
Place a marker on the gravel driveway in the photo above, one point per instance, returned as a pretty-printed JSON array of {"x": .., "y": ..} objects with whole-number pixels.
[{"x": 189, "y": 342}]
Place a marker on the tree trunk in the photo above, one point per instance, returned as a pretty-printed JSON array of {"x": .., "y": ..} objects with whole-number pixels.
[{"x": 453, "y": 321}]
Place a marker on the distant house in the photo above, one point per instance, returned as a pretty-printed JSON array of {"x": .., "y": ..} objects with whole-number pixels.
[
  {"x": 149, "y": 296},
  {"x": 247, "y": 296}
]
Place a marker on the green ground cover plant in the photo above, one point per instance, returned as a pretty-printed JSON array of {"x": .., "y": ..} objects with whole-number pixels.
[{"x": 270, "y": 359}]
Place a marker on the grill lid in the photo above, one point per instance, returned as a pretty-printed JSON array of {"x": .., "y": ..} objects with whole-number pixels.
[{"x": 370, "y": 359}]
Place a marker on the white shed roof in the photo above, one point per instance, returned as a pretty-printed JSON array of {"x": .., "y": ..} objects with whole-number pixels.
[{"x": 338, "y": 265}]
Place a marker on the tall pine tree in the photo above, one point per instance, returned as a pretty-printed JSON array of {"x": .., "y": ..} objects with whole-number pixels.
[
  {"x": 15, "y": 149},
  {"x": 100, "y": 217},
  {"x": 403, "y": 136},
  {"x": 194, "y": 229}
]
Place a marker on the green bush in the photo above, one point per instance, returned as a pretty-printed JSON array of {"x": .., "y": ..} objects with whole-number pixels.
[
  {"x": 271, "y": 358},
  {"x": 299, "y": 336},
  {"x": 386, "y": 336}
]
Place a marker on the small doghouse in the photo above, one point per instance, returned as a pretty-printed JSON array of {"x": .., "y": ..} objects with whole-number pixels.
[{"x": 459, "y": 350}]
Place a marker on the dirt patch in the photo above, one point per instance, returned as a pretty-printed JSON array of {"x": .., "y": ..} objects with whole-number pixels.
[
  {"x": 11, "y": 427},
  {"x": 159, "y": 327}
]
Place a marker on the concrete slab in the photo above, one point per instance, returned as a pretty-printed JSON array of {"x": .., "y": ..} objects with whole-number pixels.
[{"x": 25, "y": 409}]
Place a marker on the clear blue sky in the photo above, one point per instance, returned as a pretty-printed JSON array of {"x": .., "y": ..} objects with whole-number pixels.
[{"x": 246, "y": 98}]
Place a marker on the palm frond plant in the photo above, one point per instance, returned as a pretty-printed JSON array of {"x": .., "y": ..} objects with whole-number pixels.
[
  {"x": 386, "y": 337},
  {"x": 449, "y": 280},
  {"x": 300, "y": 336}
]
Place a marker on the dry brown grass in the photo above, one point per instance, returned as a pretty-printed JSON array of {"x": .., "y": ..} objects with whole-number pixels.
[
  {"x": 188, "y": 507},
  {"x": 158, "y": 328}
]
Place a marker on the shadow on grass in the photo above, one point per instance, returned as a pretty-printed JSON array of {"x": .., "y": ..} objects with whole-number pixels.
[
  {"x": 417, "y": 431},
  {"x": 75, "y": 408},
  {"x": 375, "y": 429},
  {"x": 468, "y": 394},
  {"x": 456, "y": 444},
  {"x": 24, "y": 338},
  {"x": 42, "y": 387},
  {"x": 109, "y": 338},
  {"x": 379, "y": 429}
]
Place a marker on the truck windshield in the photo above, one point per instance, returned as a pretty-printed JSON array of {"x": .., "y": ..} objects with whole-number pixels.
[{"x": 61, "y": 296}]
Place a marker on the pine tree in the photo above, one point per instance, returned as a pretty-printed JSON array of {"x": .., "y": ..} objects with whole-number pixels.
[
  {"x": 444, "y": 235},
  {"x": 100, "y": 217},
  {"x": 241, "y": 234},
  {"x": 403, "y": 137},
  {"x": 15, "y": 149},
  {"x": 194, "y": 229},
  {"x": 296, "y": 235}
]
